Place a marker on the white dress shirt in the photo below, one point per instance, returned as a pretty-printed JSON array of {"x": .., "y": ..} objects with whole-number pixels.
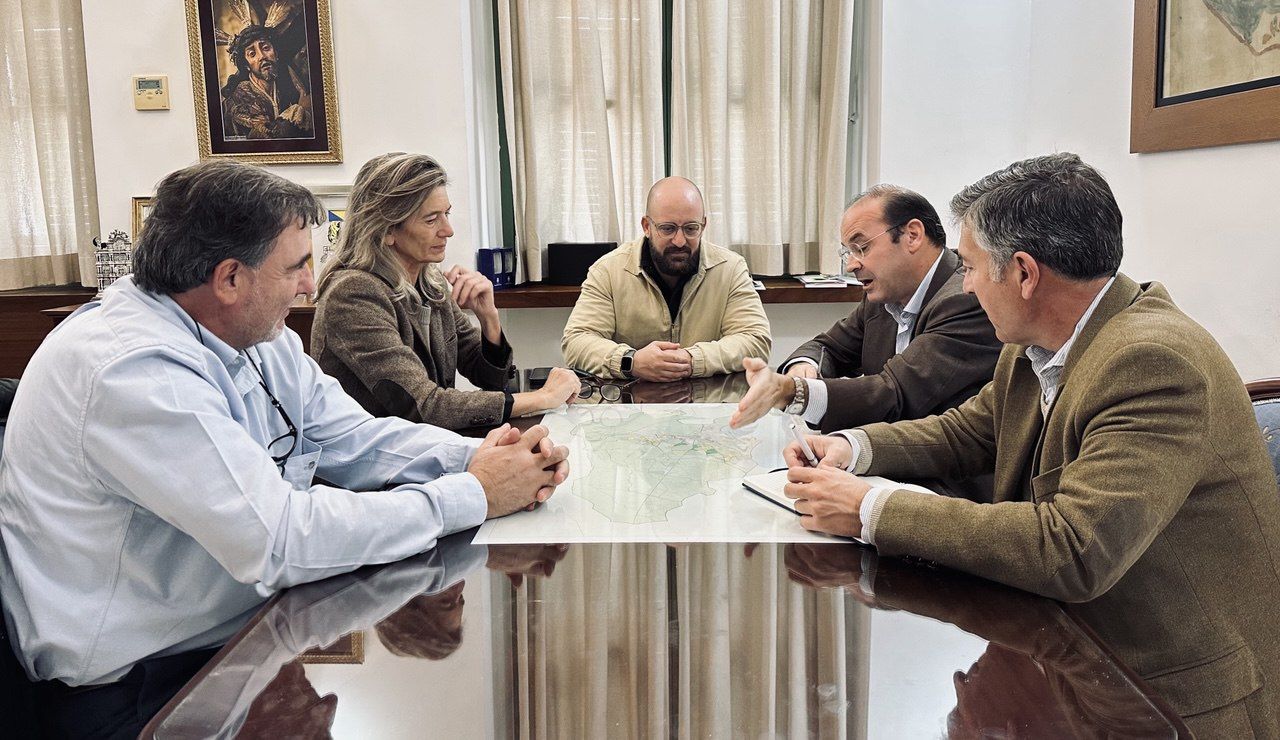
[
  {"x": 904, "y": 316},
  {"x": 1047, "y": 366},
  {"x": 140, "y": 509}
]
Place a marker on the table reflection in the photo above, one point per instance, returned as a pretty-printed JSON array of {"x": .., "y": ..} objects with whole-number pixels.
[
  {"x": 644, "y": 640},
  {"x": 1040, "y": 674},
  {"x": 713, "y": 389}
]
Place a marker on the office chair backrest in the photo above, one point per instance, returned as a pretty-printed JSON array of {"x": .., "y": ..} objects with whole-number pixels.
[{"x": 1265, "y": 395}]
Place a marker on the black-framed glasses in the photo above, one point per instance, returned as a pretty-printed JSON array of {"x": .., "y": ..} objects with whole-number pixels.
[
  {"x": 859, "y": 251},
  {"x": 291, "y": 431},
  {"x": 609, "y": 391}
]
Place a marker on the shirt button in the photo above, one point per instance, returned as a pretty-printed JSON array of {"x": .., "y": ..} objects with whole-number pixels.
[{"x": 310, "y": 465}]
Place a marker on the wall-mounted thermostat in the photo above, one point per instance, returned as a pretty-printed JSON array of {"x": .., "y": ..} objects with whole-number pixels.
[{"x": 151, "y": 92}]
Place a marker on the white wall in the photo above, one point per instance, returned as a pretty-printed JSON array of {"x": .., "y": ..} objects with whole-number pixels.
[
  {"x": 969, "y": 87},
  {"x": 404, "y": 84}
]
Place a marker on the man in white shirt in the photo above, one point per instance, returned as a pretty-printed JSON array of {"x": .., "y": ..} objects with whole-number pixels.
[
  {"x": 158, "y": 475},
  {"x": 916, "y": 345}
]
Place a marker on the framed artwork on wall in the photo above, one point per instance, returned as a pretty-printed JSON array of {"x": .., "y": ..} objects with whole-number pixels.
[
  {"x": 1205, "y": 73},
  {"x": 262, "y": 72},
  {"x": 141, "y": 208},
  {"x": 324, "y": 238}
]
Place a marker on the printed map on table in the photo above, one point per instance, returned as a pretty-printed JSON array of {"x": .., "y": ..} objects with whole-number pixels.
[{"x": 658, "y": 473}]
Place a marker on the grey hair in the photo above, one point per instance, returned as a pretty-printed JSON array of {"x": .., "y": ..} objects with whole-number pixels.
[
  {"x": 1055, "y": 208},
  {"x": 214, "y": 211},
  {"x": 388, "y": 190}
]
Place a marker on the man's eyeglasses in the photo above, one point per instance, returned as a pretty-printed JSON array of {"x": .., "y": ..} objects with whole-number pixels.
[
  {"x": 609, "y": 392},
  {"x": 291, "y": 431},
  {"x": 859, "y": 251},
  {"x": 691, "y": 230}
]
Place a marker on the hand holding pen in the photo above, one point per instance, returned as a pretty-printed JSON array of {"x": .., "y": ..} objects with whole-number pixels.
[
  {"x": 798, "y": 429},
  {"x": 817, "y": 451}
]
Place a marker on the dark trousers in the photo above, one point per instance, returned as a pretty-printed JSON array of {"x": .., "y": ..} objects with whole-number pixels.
[{"x": 119, "y": 709}]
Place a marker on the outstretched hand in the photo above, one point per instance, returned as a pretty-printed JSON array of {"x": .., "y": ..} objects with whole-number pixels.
[{"x": 767, "y": 390}]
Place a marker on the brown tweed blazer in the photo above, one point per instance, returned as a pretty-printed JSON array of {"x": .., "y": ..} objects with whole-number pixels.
[
  {"x": 952, "y": 354},
  {"x": 401, "y": 357},
  {"x": 1146, "y": 499}
]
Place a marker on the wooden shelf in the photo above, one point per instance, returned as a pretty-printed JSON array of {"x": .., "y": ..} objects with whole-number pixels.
[
  {"x": 777, "y": 290},
  {"x": 537, "y": 295}
]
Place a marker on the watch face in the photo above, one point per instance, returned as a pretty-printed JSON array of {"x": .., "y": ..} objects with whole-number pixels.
[{"x": 627, "y": 359}]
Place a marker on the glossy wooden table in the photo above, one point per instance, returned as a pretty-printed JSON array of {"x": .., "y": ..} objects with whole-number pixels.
[
  {"x": 650, "y": 640},
  {"x": 623, "y": 640}
]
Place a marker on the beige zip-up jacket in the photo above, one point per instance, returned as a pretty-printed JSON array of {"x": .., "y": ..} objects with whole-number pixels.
[{"x": 720, "y": 321}]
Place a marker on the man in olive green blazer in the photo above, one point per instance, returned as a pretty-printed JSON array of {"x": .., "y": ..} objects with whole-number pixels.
[{"x": 1130, "y": 477}]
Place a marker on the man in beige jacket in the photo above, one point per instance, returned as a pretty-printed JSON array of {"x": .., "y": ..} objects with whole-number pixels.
[
  {"x": 1130, "y": 477},
  {"x": 667, "y": 306}
]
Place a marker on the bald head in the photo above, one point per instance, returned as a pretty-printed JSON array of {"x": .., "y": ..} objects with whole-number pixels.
[{"x": 673, "y": 192}]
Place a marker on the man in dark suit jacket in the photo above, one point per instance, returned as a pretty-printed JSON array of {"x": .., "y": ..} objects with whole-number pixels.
[
  {"x": 1130, "y": 477},
  {"x": 916, "y": 345}
]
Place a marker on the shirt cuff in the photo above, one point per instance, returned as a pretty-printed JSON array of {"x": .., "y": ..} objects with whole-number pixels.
[
  {"x": 699, "y": 361},
  {"x": 861, "y": 461},
  {"x": 816, "y": 408},
  {"x": 508, "y": 401},
  {"x": 798, "y": 360},
  {"x": 869, "y": 512},
  {"x": 462, "y": 502}
]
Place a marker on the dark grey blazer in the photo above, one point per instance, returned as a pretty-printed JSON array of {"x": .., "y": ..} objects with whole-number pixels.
[
  {"x": 401, "y": 357},
  {"x": 952, "y": 354}
]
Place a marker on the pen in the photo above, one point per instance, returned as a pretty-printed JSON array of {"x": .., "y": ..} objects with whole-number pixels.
[{"x": 798, "y": 424}]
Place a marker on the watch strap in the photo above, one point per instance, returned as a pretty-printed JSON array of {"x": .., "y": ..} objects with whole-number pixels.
[{"x": 800, "y": 401}]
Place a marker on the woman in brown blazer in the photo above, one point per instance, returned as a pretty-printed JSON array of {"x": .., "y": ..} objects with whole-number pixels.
[{"x": 392, "y": 328}]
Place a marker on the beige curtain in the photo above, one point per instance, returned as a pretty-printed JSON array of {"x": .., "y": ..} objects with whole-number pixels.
[
  {"x": 760, "y": 120},
  {"x": 629, "y": 640},
  {"x": 582, "y": 91},
  {"x": 48, "y": 195}
]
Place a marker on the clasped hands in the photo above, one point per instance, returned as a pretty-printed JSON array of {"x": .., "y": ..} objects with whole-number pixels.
[
  {"x": 662, "y": 362},
  {"x": 518, "y": 471}
]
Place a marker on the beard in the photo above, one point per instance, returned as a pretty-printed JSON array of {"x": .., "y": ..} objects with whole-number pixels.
[
  {"x": 266, "y": 72},
  {"x": 675, "y": 261}
]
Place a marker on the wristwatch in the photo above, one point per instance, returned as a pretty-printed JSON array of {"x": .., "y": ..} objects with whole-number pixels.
[
  {"x": 801, "y": 398},
  {"x": 628, "y": 361}
]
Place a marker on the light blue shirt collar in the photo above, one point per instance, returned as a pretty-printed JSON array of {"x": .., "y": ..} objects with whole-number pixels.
[
  {"x": 234, "y": 360},
  {"x": 1048, "y": 365}
]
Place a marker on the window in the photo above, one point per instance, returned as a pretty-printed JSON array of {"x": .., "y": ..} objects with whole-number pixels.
[{"x": 749, "y": 100}]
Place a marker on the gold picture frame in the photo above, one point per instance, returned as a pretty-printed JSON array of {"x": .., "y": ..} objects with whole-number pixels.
[
  {"x": 346, "y": 649},
  {"x": 292, "y": 52},
  {"x": 141, "y": 207},
  {"x": 1239, "y": 113}
]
